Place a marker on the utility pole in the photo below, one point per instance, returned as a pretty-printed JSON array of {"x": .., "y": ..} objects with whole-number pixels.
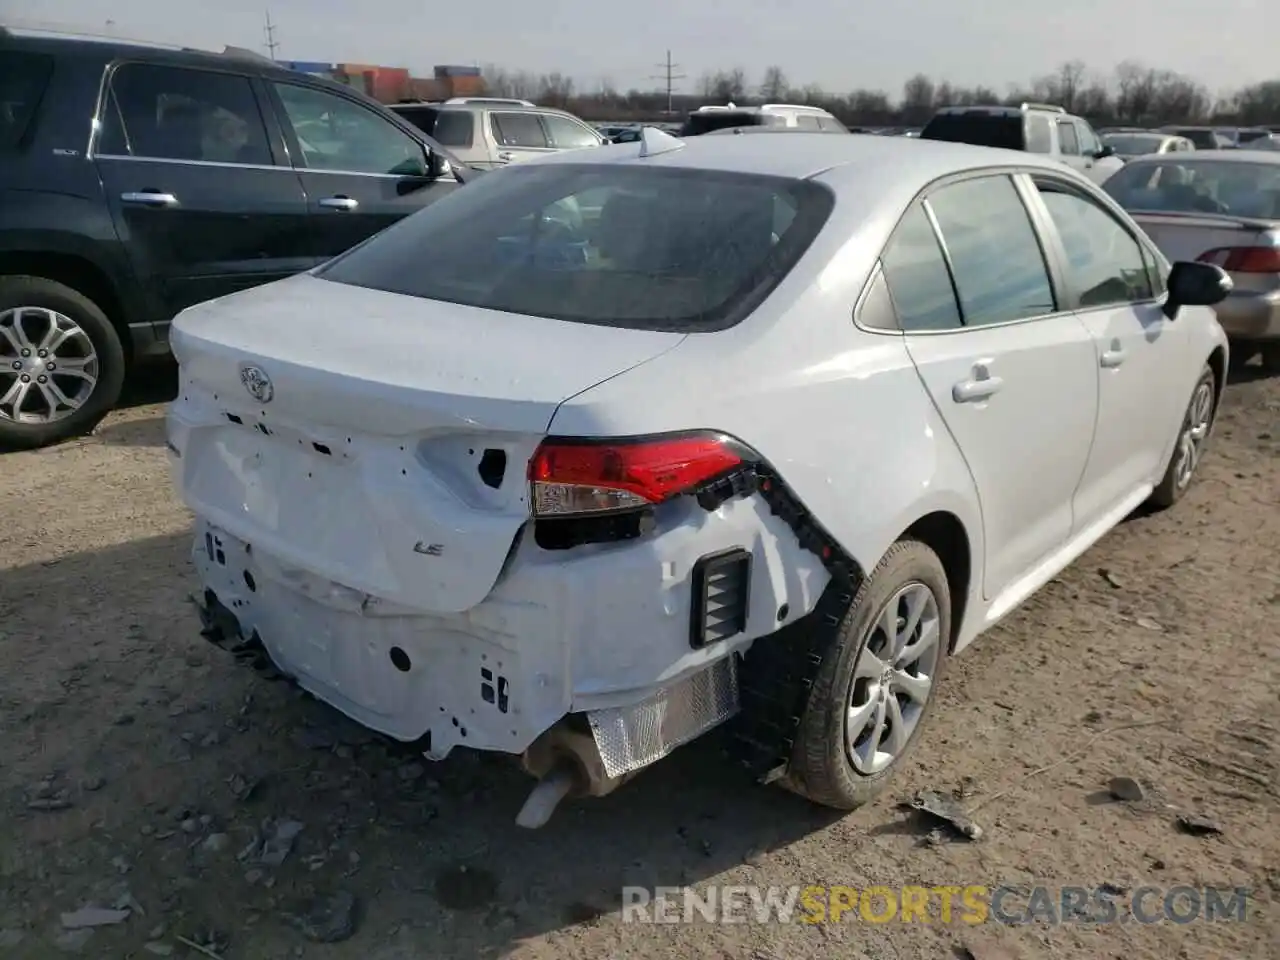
[
  {"x": 669, "y": 78},
  {"x": 269, "y": 31}
]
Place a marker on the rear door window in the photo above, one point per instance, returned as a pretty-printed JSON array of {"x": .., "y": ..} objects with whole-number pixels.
[
  {"x": 174, "y": 113},
  {"x": 451, "y": 128},
  {"x": 23, "y": 79},
  {"x": 996, "y": 260},
  {"x": 807, "y": 122},
  {"x": 518, "y": 130},
  {"x": 915, "y": 271}
]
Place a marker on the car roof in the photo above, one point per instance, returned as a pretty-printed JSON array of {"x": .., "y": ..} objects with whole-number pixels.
[
  {"x": 802, "y": 155},
  {"x": 1196, "y": 156},
  {"x": 107, "y": 49}
]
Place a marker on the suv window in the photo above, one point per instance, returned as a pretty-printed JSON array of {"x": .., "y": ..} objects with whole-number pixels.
[
  {"x": 451, "y": 128},
  {"x": 173, "y": 113},
  {"x": 807, "y": 122},
  {"x": 568, "y": 134},
  {"x": 23, "y": 78},
  {"x": 336, "y": 134},
  {"x": 1105, "y": 263},
  {"x": 1068, "y": 143},
  {"x": 833, "y": 125},
  {"x": 518, "y": 130},
  {"x": 1089, "y": 142},
  {"x": 622, "y": 245},
  {"x": 916, "y": 273},
  {"x": 1039, "y": 134},
  {"x": 999, "y": 268},
  {"x": 979, "y": 127}
]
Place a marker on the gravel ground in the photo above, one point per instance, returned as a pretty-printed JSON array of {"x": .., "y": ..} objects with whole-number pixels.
[{"x": 144, "y": 773}]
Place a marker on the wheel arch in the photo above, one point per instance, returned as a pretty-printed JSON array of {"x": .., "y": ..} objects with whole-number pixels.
[
  {"x": 80, "y": 274},
  {"x": 1217, "y": 361},
  {"x": 944, "y": 533}
]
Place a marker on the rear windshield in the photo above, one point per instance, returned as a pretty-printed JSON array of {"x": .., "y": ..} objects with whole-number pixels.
[
  {"x": 23, "y": 78},
  {"x": 1203, "y": 139},
  {"x": 1199, "y": 186},
  {"x": 979, "y": 128},
  {"x": 1248, "y": 136},
  {"x": 719, "y": 119},
  {"x": 646, "y": 248},
  {"x": 450, "y": 128},
  {"x": 1133, "y": 144}
]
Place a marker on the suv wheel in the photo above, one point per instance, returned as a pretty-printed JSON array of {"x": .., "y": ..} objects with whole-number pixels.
[
  {"x": 61, "y": 363},
  {"x": 876, "y": 687}
]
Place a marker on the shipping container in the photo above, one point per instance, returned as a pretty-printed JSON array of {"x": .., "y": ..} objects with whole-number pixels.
[
  {"x": 309, "y": 66},
  {"x": 352, "y": 69},
  {"x": 450, "y": 71},
  {"x": 465, "y": 86}
]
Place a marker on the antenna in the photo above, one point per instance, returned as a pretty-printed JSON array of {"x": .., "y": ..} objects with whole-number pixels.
[
  {"x": 269, "y": 31},
  {"x": 669, "y": 77}
]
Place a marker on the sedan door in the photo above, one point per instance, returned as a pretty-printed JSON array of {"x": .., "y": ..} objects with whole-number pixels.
[
  {"x": 1113, "y": 280},
  {"x": 1013, "y": 376},
  {"x": 361, "y": 171},
  {"x": 203, "y": 203}
]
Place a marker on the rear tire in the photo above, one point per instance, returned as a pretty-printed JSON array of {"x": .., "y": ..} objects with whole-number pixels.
[
  {"x": 837, "y": 761},
  {"x": 1193, "y": 440},
  {"x": 85, "y": 326}
]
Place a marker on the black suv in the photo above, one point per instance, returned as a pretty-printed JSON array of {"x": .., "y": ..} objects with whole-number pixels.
[{"x": 136, "y": 181}]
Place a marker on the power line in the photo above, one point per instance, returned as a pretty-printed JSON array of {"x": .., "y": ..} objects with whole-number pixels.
[
  {"x": 669, "y": 77},
  {"x": 269, "y": 31}
]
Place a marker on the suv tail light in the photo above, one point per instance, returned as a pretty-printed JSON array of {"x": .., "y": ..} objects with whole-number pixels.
[
  {"x": 1244, "y": 259},
  {"x": 571, "y": 476}
]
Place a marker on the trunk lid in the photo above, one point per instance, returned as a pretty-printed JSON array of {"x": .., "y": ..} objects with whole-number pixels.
[
  {"x": 1185, "y": 236},
  {"x": 388, "y": 453}
]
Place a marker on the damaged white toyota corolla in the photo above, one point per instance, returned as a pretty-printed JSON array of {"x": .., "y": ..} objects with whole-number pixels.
[{"x": 600, "y": 452}]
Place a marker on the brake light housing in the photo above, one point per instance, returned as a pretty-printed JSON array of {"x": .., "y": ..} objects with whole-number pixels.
[
  {"x": 585, "y": 477},
  {"x": 1244, "y": 259}
]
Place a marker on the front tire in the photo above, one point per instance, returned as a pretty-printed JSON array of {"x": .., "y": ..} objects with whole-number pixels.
[
  {"x": 876, "y": 686},
  {"x": 61, "y": 363},
  {"x": 1193, "y": 439},
  {"x": 1271, "y": 356}
]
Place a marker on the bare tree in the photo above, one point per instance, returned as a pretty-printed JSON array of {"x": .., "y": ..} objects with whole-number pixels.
[
  {"x": 917, "y": 99},
  {"x": 774, "y": 85}
]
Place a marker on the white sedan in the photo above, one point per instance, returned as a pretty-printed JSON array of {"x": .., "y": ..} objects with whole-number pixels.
[{"x": 762, "y": 434}]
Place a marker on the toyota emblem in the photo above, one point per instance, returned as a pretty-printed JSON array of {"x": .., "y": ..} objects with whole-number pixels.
[{"x": 257, "y": 382}]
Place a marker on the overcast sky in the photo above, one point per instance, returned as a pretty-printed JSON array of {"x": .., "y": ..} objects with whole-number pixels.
[{"x": 834, "y": 43}]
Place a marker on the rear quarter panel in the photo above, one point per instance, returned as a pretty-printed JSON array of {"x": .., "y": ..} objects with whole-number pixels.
[{"x": 839, "y": 412}]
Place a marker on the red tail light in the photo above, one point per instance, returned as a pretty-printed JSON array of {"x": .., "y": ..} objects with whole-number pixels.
[
  {"x": 1244, "y": 259},
  {"x": 571, "y": 476}
]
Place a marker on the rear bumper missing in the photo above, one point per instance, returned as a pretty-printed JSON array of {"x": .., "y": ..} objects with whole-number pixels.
[{"x": 603, "y": 634}]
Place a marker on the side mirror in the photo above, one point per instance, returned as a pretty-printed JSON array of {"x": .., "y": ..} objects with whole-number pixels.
[
  {"x": 1105, "y": 151},
  {"x": 437, "y": 165},
  {"x": 1195, "y": 284}
]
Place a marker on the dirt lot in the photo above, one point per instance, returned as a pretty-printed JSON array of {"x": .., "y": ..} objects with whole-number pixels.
[{"x": 139, "y": 765}]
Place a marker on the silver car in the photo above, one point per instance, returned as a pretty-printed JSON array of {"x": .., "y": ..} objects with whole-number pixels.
[
  {"x": 1223, "y": 207},
  {"x": 488, "y": 132},
  {"x": 1130, "y": 144}
]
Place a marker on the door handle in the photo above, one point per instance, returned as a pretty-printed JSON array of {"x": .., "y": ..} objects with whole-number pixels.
[
  {"x": 150, "y": 198},
  {"x": 506, "y": 157},
  {"x": 339, "y": 203},
  {"x": 1113, "y": 358},
  {"x": 979, "y": 388}
]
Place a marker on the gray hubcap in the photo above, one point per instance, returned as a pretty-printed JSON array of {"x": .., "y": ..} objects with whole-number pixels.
[
  {"x": 893, "y": 678},
  {"x": 1195, "y": 431},
  {"x": 48, "y": 366}
]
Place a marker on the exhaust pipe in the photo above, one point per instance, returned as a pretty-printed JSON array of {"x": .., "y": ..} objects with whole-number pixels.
[{"x": 567, "y": 763}]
